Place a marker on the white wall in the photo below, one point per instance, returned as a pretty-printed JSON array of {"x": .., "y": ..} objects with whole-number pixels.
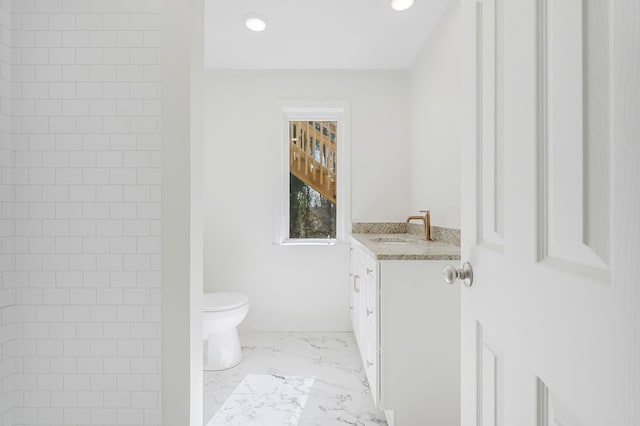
[
  {"x": 435, "y": 108},
  {"x": 85, "y": 126},
  {"x": 293, "y": 288},
  {"x": 182, "y": 234}
]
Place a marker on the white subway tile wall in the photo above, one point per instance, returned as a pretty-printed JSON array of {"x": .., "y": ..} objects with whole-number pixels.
[
  {"x": 10, "y": 326},
  {"x": 80, "y": 194}
]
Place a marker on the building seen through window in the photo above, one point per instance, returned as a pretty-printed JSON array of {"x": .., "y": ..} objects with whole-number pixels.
[{"x": 312, "y": 179}]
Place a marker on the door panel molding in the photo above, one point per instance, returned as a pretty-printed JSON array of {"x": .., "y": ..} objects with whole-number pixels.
[
  {"x": 545, "y": 415},
  {"x": 542, "y": 403},
  {"x": 541, "y": 124},
  {"x": 479, "y": 363},
  {"x": 489, "y": 137},
  {"x": 489, "y": 380},
  {"x": 574, "y": 203}
]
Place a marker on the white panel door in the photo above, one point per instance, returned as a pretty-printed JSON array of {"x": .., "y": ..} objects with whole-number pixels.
[{"x": 551, "y": 213}]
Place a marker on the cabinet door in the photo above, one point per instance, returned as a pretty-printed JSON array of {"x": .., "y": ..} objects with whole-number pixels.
[
  {"x": 364, "y": 312},
  {"x": 364, "y": 329},
  {"x": 371, "y": 367},
  {"x": 355, "y": 302},
  {"x": 370, "y": 289},
  {"x": 369, "y": 325}
]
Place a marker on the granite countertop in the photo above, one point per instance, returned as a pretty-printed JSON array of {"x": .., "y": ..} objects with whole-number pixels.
[{"x": 401, "y": 246}]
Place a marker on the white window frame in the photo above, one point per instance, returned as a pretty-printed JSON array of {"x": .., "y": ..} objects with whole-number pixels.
[{"x": 338, "y": 111}]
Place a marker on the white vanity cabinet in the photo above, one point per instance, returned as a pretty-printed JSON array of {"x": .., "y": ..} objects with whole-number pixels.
[
  {"x": 407, "y": 324},
  {"x": 364, "y": 309}
]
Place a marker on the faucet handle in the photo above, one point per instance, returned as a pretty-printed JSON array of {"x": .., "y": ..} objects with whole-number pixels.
[{"x": 425, "y": 211}]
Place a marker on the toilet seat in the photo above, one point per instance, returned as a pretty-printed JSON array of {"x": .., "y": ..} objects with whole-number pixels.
[{"x": 216, "y": 302}]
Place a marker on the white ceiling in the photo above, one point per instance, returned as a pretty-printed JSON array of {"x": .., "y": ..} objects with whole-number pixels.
[{"x": 317, "y": 34}]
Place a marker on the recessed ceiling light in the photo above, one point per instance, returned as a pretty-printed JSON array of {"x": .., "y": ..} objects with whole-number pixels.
[
  {"x": 255, "y": 22},
  {"x": 401, "y": 5}
]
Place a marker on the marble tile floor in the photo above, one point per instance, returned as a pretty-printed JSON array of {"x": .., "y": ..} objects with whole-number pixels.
[{"x": 292, "y": 379}]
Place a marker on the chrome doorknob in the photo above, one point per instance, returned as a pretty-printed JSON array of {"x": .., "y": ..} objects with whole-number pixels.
[{"x": 465, "y": 274}]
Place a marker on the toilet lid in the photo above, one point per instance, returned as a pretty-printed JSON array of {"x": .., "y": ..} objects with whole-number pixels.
[{"x": 212, "y": 302}]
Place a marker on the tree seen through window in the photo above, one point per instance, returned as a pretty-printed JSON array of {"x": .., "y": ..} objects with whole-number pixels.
[{"x": 312, "y": 179}]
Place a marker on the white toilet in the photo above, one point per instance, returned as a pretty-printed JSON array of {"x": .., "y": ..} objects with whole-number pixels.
[{"x": 222, "y": 313}]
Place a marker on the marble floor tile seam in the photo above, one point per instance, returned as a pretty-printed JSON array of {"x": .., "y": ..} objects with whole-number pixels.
[{"x": 339, "y": 393}]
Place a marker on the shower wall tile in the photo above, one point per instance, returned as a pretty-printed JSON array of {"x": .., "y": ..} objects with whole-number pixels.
[
  {"x": 80, "y": 195},
  {"x": 10, "y": 327}
]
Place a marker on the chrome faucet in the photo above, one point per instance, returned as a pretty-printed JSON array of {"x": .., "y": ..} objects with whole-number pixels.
[{"x": 426, "y": 219}]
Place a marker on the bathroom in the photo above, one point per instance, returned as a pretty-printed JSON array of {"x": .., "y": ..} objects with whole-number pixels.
[
  {"x": 128, "y": 187},
  {"x": 398, "y": 106},
  {"x": 396, "y": 170},
  {"x": 535, "y": 93}
]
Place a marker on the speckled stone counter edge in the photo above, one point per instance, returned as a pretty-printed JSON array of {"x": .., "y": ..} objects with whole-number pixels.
[
  {"x": 438, "y": 233},
  {"x": 413, "y": 247},
  {"x": 379, "y": 228}
]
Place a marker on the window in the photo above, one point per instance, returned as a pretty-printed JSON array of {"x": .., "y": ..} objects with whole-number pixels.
[
  {"x": 315, "y": 199},
  {"x": 312, "y": 180}
]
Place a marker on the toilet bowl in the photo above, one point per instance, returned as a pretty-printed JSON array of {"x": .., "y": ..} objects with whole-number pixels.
[{"x": 221, "y": 314}]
